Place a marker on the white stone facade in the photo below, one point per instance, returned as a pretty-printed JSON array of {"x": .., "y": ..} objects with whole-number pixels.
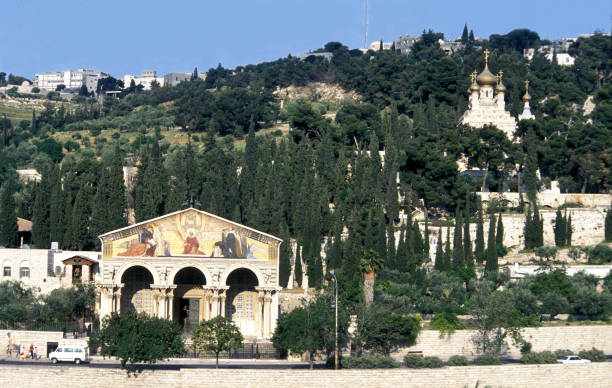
[
  {"x": 70, "y": 79},
  {"x": 146, "y": 79}
]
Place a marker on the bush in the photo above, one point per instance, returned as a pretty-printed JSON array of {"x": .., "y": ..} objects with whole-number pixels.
[
  {"x": 545, "y": 357},
  {"x": 414, "y": 361},
  {"x": 600, "y": 254},
  {"x": 369, "y": 362},
  {"x": 562, "y": 353},
  {"x": 594, "y": 355},
  {"x": 457, "y": 361},
  {"x": 487, "y": 359}
]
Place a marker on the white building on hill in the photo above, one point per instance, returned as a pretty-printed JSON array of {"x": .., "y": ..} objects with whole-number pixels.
[
  {"x": 70, "y": 79},
  {"x": 146, "y": 79}
]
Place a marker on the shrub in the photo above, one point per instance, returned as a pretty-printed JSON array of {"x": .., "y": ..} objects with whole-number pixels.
[
  {"x": 545, "y": 357},
  {"x": 95, "y": 131},
  {"x": 432, "y": 362},
  {"x": 553, "y": 304},
  {"x": 563, "y": 352},
  {"x": 446, "y": 322},
  {"x": 594, "y": 355},
  {"x": 600, "y": 254},
  {"x": 369, "y": 362},
  {"x": 487, "y": 359},
  {"x": 457, "y": 361},
  {"x": 414, "y": 361}
]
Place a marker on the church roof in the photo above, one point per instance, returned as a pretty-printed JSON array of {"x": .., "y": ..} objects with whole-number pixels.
[
  {"x": 185, "y": 211},
  {"x": 486, "y": 78}
]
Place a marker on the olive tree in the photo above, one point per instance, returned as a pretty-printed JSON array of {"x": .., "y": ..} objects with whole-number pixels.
[{"x": 215, "y": 336}]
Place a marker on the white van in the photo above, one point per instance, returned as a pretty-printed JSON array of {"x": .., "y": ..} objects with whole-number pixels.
[{"x": 73, "y": 353}]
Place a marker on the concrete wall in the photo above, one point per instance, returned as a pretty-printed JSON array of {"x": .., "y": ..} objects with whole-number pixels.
[
  {"x": 575, "y": 338},
  {"x": 555, "y": 375}
]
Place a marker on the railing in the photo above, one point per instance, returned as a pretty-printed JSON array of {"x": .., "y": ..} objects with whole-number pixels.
[
  {"x": 71, "y": 329},
  {"x": 262, "y": 351}
]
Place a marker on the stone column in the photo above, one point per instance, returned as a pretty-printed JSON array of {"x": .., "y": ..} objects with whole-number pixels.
[
  {"x": 223, "y": 296},
  {"x": 215, "y": 303},
  {"x": 117, "y": 298},
  {"x": 106, "y": 299},
  {"x": 259, "y": 315},
  {"x": 171, "y": 303},
  {"x": 267, "y": 304}
]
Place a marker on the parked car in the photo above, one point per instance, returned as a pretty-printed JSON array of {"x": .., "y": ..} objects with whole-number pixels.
[
  {"x": 572, "y": 360},
  {"x": 75, "y": 353}
]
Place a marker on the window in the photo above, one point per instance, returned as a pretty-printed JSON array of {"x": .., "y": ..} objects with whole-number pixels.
[
  {"x": 24, "y": 272},
  {"x": 7, "y": 271}
]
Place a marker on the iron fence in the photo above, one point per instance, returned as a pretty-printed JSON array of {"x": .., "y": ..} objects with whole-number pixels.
[{"x": 262, "y": 351}]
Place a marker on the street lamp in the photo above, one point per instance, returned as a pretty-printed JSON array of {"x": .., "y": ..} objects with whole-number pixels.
[{"x": 332, "y": 273}]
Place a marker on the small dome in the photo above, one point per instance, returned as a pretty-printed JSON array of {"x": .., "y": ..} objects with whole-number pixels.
[
  {"x": 486, "y": 78},
  {"x": 526, "y": 97},
  {"x": 474, "y": 87},
  {"x": 500, "y": 88}
]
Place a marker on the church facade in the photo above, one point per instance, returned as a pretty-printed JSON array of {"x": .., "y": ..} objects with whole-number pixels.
[{"x": 191, "y": 266}]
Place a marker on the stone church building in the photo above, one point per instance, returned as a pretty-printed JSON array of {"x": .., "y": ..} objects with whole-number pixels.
[{"x": 190, "y": 266}]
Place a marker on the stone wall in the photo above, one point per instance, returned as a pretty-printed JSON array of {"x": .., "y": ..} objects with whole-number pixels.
[
  {"x": 555, "y": 375},
  {"x": 553, "y": 200},
  {"x": 36, "y": 338},
  {"x": 588, "y": 226},
  {"x": 575, "y": 338}
]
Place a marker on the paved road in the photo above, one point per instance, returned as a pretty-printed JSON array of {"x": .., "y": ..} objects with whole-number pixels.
[{"x": 174, "y": 364}]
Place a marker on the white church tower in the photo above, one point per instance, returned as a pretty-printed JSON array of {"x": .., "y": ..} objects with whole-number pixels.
[{"x": 526, "y": 115}]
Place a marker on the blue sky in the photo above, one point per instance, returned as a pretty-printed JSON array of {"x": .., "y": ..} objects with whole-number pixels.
[{"x": 124, "y": 37}]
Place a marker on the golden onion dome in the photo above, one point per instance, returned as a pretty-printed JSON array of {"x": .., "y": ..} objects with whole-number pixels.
[
  {"x": 474, "y": 87},
  {"x": 486, "y": 78},
  {"x": 526, "y": 97},
  {"x": 500, "y": 88}
]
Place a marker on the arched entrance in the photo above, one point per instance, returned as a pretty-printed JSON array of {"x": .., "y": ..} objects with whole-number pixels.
[
  {"x": 242, "y": 305},
  {"x": 189, "y": 297},
  {"x": 137, "y": 293}
]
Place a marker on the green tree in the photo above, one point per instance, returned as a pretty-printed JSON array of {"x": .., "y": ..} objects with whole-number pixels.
[
  {"x": 8, "y": 217},
  {"x": 309, "y": 329},
  {"x": 370, "y": 265},
  {"x": 479, "y": 251},
  {"x": 554, "y": 304},
  {"x": 467, "y": 239},
  {"x": 464, "y": 35},
  {"x": 439, "y": 259},
  {"x": 383, "y": 330},
  {"x": 133, "y": 338},
  {"x": 560, "y": 228},
  {"x": 215, "y": 336},
  {"x": 297, "y": 271},
  {"x": 458, "y": 242},
  {"x": 491, "y": 265},
  {"x": 284, "y": 265},
  {"x": 531, "y": 165},
  {"x": 608, "y": 224}
]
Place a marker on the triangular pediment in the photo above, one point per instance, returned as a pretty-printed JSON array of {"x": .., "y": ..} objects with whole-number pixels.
[{"x": 190, "y": 232}]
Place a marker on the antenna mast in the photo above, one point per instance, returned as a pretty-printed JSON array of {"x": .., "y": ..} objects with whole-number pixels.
[{"x": 365, "y": 37}]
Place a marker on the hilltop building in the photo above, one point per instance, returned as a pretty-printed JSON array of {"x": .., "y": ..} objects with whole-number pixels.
[
  {"x": 70, "y": 79},
  {"x": 487, "y": 105},
  {"x": 146, "y": 79}
]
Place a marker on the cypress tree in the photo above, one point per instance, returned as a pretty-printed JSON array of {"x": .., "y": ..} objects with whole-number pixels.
[
  {"x": 464, "y": 36},
  {"x": 499, "y": 235},
  {"x": 467, "y": 239},
  {"x": 150, "y": 189},
  {"x": 57, "y": 226},
  {"x": 439, "y": 263},
  {"x": 40, "y": 213},
  {"x": 401, "y": 260},
  {"x": 569, "y": 230},
  {"x": 33, "y": 124},
  {"x": 457, "y": 241},
  {"x": 8, "y": 218},
  {"x": 79, "y": 227},
  {"x": 480, "y": 243},
  {"x": 67, "y": 221},
  {"x": 559, "y": 229},
  {"x": 539, "y": 228},
  {"x": 426, "y": 246},
  {"x": 297, "y": 272},
  {"x": 531, "y": 165},
  {"x": 608, "y": 224},
  {"x": 99, "y": 207},
  {"x": 447, "y": 251},
  {"x": 116, "y": 209},
  {"x": 417, "y": 242},
  {"x": 390, "y": 263},
  {"x": 491, "y": 265},
  {"x": 471, "y": 38},
  {"x": 528, "y": 231},
  {"x": 284, "y": 265}
]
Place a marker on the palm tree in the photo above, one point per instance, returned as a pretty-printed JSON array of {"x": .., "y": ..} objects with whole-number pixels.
[{"x": 370, "y": 265}]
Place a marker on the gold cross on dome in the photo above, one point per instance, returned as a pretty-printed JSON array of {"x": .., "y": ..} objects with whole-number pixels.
[
  {"x": 473, "y": 76},
  {"x": 486, "y": 53},
  {"x": 526, "y": 85},
  {"x": 499, "y": 77}
]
